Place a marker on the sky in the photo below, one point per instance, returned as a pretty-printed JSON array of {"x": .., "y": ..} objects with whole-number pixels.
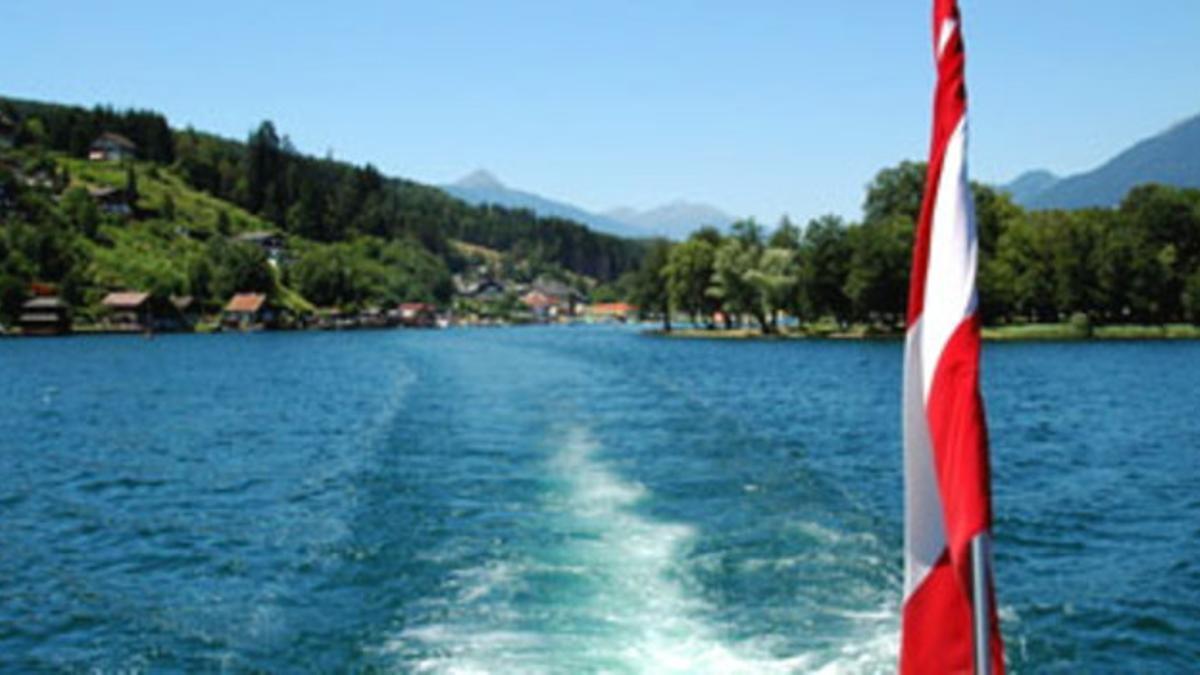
[{"x": 759, "y": 107}]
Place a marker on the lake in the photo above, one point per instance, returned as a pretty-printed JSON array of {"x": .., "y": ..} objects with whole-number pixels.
[{"x": 567, "y": 500}]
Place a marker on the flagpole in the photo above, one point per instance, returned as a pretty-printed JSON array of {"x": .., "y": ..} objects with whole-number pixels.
[{"x": 981, "y": 615}]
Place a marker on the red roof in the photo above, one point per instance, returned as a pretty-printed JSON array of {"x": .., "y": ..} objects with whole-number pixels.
[
  {"x": 246, "y": 302},
  {"x": 125, "y": 299},
  {"x": 416, "y": 307},
  {"x": 538, "y": 299},
  {"x": 613, "y": 308}
]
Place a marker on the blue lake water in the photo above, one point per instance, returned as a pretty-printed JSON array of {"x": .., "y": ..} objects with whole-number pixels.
[{"x": 567, "y": 500}]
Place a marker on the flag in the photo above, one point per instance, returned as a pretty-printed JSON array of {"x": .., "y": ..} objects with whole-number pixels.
[{"x": 947, "y": 483}]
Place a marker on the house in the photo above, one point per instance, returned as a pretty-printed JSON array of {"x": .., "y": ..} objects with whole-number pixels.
[
  {"x": 418, "y": 315},
  {"x": 545, "y": 307},
  {"x": 611, "y": 311},
  {"x": 111, "y": 200},
  {"x": 128, "y": 310},
  {"x": 134, "y": 311},
  {"x": 111, "y": 147},
  {"x": 45, "y": 315},
  {"x": 486, "y": 289},
  {"x": 272, "y": 243},
  {"x": 248, "y": 310},
  {"x": 567, "y": 298}
]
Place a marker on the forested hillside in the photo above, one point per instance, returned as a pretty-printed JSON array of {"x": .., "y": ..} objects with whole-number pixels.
[{"x": 168, "y": 221}]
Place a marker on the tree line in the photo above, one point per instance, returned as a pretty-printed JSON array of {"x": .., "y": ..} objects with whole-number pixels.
[
  {"x": 331, "y": 201},
  {"x": 322, "y": 199},
  {"x": 1137, "y": 263}
]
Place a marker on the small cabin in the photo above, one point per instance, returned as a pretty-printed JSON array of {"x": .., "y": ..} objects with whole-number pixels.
[
  {"x": 544, "y": 306},
  {"x": 246, "y": 311},
  {"x": 272, "y": 243},
  {"x": 128, "y": 310},
  {"x": 134, "y": 311},
  {"x": 111, "y": 147},
  {"x": 46, "y": 315}
]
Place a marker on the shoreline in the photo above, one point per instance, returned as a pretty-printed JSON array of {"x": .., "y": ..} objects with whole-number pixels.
[
  {"x": 1061, "y": 332},
  {"x": 1019, "y": 333}
]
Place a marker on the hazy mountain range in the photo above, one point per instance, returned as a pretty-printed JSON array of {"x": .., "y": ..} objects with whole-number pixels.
[
  {"x": 675, "y": 220},
  {"x": 1171, "y": 157}
]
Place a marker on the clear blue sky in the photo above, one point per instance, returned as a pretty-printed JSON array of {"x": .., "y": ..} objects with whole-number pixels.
[{"x": 758, "y": 107}]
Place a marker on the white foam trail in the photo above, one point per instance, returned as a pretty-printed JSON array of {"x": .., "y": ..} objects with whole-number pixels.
[{"x": 649, "y": 620}]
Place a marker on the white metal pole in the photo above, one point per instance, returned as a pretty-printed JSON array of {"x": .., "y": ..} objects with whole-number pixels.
[{"x": 981, "y": 615}]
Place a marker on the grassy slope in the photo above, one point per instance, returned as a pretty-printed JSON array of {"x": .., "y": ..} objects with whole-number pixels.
[{"x": 155, "y": 248}]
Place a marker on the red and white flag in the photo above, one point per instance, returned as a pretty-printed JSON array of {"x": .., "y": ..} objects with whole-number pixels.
[{"x": 947, "y": 486}]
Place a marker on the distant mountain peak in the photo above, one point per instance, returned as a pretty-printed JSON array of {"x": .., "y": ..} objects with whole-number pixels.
[
  {"x": 480, "y": 179},
  {"x": 1171, "y": 158}
]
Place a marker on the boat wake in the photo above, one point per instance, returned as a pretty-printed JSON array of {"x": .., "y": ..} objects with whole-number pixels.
[{"x": 604, "y": 588}]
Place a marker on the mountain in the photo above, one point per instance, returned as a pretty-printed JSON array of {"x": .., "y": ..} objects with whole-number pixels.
[
  {"x": 482, "y": 187},
  {"x": 675, "y": 220},
  {"x": 1030, "y": 184},
  {"x": 1171, "y": 158}
]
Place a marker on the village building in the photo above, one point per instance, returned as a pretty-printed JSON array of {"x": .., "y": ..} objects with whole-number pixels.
[
  {"x": 417, "y": 315},
  {"x": 135, "y": 311},
  {"x": 272, "y": 244},
  {"x": 128, "y": 310},
  {"x": 546, "y": 307},
  {"x": 111, "y": 200},
  {"x": 619, "y": 312},
  {"x": 373, "y": 317},
  {"x": 549, "y": 299},
  {"x": 111, "y": 147},
  {"x": 248, "y": 310},
  {"x": 45, "y": 315},
  {"x": 486, "y": 289}
]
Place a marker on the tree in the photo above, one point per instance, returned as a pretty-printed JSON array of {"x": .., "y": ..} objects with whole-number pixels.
[
  {"x": 239, "y": 267},
  {"x": 1024, "y": 265},
  {"x": 81, "y": 211},
  {"x": 650, "y": 283},
  {"x": 775, "y": 278},
  {"x": 896, "y": 191},
  {"x": 1191, "y": 297},
  {"x": 748, "y": 232},
  {"x": 131, "y": 186},
  {"x": 787, "y": 235},
  {"x": 688, "y": 272},
  {"x": 881, "y": 258},
  {"x": 735, "y": 261},
  {"x": 168, "y": 207},
  {"x": 824, "y": 264},
  {"x": 262, "y": 165}
]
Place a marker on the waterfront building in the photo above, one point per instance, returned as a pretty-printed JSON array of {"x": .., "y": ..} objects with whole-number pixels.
[
  {"x": 246, "y": 311},
  {"x": 45, "y": 315}
]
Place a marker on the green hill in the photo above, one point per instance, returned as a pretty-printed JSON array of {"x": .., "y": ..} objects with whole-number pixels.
[{"x": 169, "y": 222}]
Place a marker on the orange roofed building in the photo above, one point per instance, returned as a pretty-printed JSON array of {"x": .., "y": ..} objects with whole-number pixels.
[
  {"x": 248, "y": 310},
  {"x": 612, "y": 311}
]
